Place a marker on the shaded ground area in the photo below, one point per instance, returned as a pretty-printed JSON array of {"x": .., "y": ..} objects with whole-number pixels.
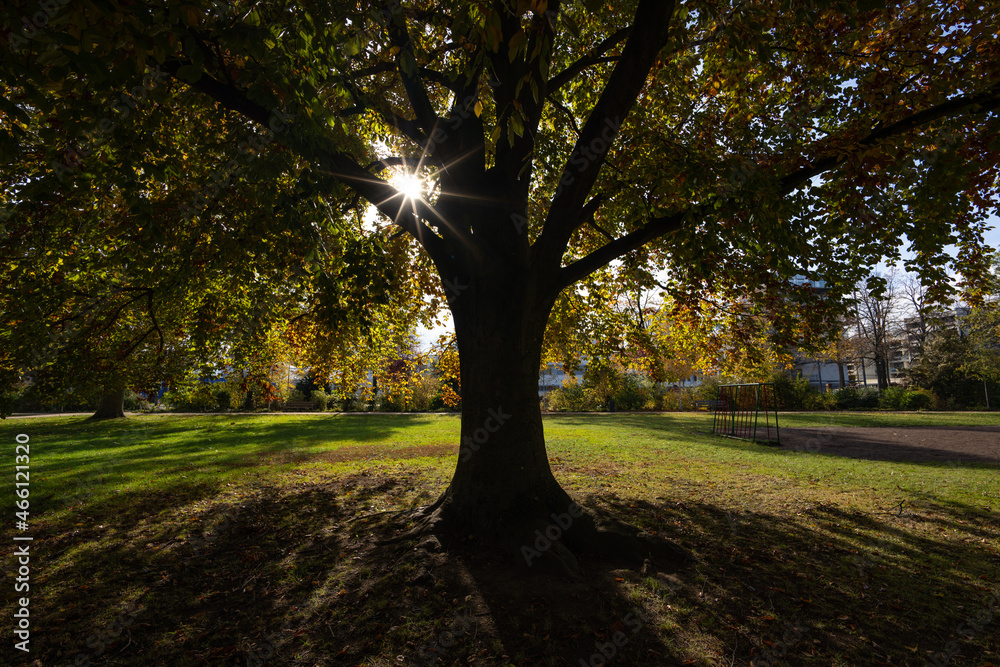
[
  {"x": 262, "y": 544},
  {"x": 302, "y": 575},
  {"x": 936, "y": 444}
]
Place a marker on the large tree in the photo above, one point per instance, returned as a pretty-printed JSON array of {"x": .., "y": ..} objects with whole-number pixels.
[{"x": 730, "y": 145}]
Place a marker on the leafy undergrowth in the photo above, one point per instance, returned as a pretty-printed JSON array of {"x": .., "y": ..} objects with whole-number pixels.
[{"x": 284, "y": 559}]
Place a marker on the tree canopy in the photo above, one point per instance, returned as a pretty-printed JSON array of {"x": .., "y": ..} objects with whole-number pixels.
[{"x": 571, "y": 148}]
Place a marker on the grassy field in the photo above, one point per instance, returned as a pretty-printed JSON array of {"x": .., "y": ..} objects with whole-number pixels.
[{"x": 241, "y": 539}]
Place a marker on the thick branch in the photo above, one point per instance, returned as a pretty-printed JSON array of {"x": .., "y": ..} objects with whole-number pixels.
[
  {"x": 409, "y": 72},
  {"x": 521, "y": 94},
  {"x": 595, "y": 56},
  {"x": 609, "y": 252},
  {"x": 987, "y": 100},
  {"x": 657, "y": 227},
  {"x": 646, "y": 38},
  {"x": 332, "y": 162},
  {"x": 406, "y": 127}
]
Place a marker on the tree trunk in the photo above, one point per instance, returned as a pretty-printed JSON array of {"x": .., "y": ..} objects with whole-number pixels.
[
  {"x": 112, "y": 405},
  {"x": 503, "y": 492},
  {"x": 882, "y": 370}
]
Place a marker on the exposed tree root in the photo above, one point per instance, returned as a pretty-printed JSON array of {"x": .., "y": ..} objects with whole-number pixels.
[
  {"x": 546, "y": 541},
  {"x": 101, "y": 418}
]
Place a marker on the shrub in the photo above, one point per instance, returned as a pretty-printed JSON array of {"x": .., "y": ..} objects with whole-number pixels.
[
  {"x": 708, "y": 390},
  {"x": 197, "y": 398},
  {"x": 794, "y": 394},
  {"x": 921, "y": 399},
  {"x": 135, "y": 403},
  {"x": 673, "y": 401},
  {"x": 857, "y": 398},
  {"x": 632, "y": 394},
  {"x": 816, "y": 400},
  {"x": 570, "y": 398},
  {"x": 320, "y": 398},
  {"x": 893, "y": 398},
  {"x": 424, "y": 392},
  {"x": 846, "y": 398},
  {"x": 223, "y": 399}
]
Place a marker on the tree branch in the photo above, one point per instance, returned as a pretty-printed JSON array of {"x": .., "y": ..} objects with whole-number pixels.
[
  {"x": 406, "y": 127},
  {"x": 332, "y": 162},
  {"x": 595, "y": 56},
  {"x": 987, "y": 100},
  {"x": 653, "y": 229},
  {"x": 399, "y": 36},
  {"x": 646, "y": 38}
]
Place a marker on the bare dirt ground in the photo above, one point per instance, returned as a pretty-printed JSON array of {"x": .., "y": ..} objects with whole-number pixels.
[{"x": 935, "y": 444}]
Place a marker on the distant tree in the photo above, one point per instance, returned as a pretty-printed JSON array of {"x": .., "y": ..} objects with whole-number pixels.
[
  {"x": 877, "y": 321},
  {"x": 942, "y": 368},
  {"x": 982, "y": 327},
  {"x": 915, "y": 300}
]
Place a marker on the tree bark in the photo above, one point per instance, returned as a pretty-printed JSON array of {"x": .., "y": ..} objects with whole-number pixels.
[
  {"x": 503, "y": 492},
  {"x": 112, "y": 405},
  {"x": 882, "y": 371}
]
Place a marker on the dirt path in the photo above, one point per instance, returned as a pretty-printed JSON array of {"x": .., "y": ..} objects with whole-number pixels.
[{"x": 938, "y": 444}]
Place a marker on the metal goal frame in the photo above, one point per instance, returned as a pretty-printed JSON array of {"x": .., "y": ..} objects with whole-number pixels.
[{"x": 747, "y": 412}]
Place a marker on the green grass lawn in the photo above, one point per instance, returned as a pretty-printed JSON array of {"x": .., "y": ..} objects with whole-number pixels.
[{"x": 242, "y": 539}]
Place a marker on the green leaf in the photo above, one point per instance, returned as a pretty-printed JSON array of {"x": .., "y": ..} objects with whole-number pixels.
[
  {"x": 517, "y": 124},
  {"x": 515, "y": 45},
  {"x": 571, "y": 25}
]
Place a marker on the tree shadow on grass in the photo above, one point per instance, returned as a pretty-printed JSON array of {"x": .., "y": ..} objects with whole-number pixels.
[
  {"x": 304, "y": 575},
  {"x": 75, "y": 458}
]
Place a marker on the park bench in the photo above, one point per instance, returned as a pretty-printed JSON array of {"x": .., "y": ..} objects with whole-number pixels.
[
  {"x": 711, "y": 406},
  {"x": 298, "y": 406}
]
